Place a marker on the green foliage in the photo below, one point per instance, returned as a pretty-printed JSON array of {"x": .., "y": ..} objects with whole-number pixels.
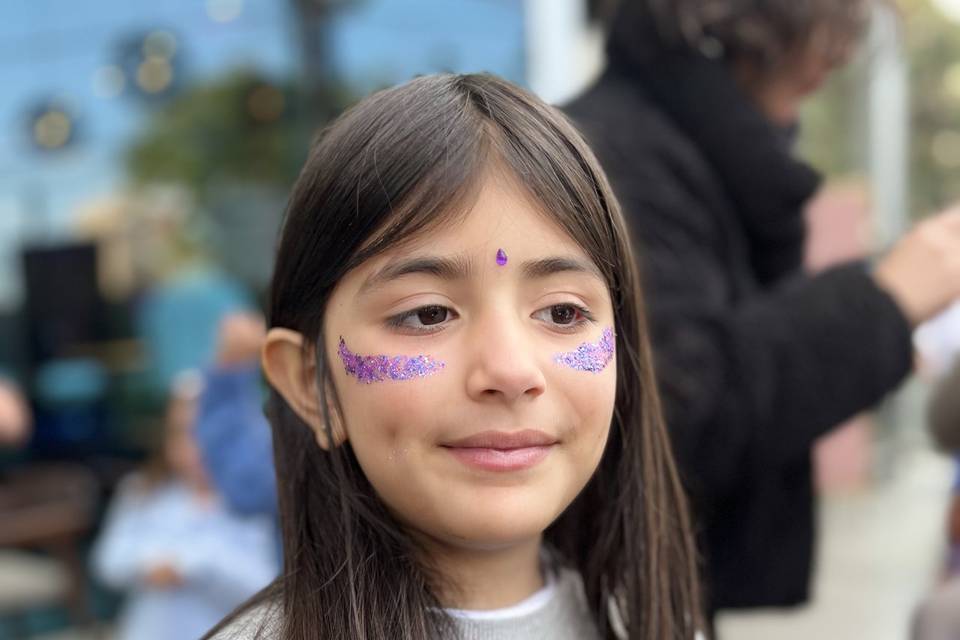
[
  {"x": 833, "y": 130},
  {"x": 237, "y": 129},
  {"x": 933, "y": 43},
  {"x": 835, "y": 121}
]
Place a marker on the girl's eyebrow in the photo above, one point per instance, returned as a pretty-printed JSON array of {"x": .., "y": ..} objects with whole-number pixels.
[
  {"x": 460, "y": 268},
  {"x": 451, "y": 268},
  {"x": 544, "y": 267}
]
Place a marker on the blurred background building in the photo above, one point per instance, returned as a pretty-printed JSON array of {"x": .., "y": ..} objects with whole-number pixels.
[{"x": 146, "y": 150}]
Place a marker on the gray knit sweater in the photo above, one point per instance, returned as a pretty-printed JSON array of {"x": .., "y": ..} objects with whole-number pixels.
[{"x": 558, "y": 611}]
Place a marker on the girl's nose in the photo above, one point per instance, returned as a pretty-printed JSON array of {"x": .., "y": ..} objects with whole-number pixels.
[{"x": 504, "y": 363}]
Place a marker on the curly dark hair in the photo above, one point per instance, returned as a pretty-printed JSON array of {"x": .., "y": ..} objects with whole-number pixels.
[{"x": 761, "y": 33}]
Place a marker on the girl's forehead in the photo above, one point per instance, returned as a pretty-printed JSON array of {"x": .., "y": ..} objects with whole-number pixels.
[
  {"x": 483, "y": 262},
  {"x": 503, "y": 232},
  {"x": 503, "y": 216}
]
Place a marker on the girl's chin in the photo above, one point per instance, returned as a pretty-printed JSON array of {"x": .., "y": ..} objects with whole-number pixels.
[
  {"x": 496, "y": 543},
  {"x": 497, "y": 532},
  {"x": 479, "y": 535}
]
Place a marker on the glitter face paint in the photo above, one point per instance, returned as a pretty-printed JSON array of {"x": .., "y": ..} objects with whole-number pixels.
[
  {"x": 590, "y": 356},
  {"x": 501, "y": 257},
  {"x": 370, "y": 369}
]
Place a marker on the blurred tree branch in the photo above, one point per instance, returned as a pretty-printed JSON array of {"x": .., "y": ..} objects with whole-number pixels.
[
  {"x": 243, "y": 127},
  {"x": 240, "y": 128}
]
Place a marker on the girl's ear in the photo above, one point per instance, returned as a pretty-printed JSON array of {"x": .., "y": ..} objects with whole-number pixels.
[{"x": 293, "y": 373}]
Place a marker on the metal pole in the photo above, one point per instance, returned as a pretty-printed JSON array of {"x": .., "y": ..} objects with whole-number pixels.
[
  {"x": 888, "y": 128},
  {"x": 564, "y": 51},
  {"x": 888, "y": 153}
]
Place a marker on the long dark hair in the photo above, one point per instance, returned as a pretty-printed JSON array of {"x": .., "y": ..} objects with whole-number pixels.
[{"x": 397, "y": 163}]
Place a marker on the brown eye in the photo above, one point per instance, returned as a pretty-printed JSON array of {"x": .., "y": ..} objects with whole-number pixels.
[
  {"x": 565, "y": 318},
  {"x": 563, "y": 314},
  {"x": 434, "y": 314},
  {"x": 428, "y": 319}
]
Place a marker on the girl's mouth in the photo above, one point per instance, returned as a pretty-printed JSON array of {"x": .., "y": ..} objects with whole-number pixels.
[{"x": 503, "y": 450}]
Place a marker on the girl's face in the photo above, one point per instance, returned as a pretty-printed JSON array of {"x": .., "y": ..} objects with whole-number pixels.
[{"x": 496, "y": 405}]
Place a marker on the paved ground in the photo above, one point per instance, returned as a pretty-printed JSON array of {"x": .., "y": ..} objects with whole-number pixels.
[{"x": 880, "y": 548}]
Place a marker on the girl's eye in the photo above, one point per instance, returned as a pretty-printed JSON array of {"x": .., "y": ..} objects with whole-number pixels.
[
  {"x": 563, "y": 314},
  {"x": 422, "y": 319},
  {"x": 567, "y": 316},
  {"x": 432, "y": 315}
]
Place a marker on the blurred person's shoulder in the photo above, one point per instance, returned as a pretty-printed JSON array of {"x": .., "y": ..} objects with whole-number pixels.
[
  {"x": 615, "y": 113},
  {"x": 262, "y": 621}
]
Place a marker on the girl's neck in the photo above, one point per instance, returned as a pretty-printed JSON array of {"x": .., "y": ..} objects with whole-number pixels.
[{"x": 486, "y": 579}]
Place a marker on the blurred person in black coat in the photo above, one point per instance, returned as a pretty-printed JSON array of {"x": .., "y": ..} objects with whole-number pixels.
[{"x": 693, "y": 120}]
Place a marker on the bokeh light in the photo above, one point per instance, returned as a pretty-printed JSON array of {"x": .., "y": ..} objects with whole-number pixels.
[
  {"x": 52, "y": 128},
  {"x": 951, "y": 82},
  {"x": 224, "y": 10},
  {"x": 159, "y": 44},
  {"x": 946, "y": 148},
  {"x": 154, "y": 75},
  {"x": 949, "y": 8}
]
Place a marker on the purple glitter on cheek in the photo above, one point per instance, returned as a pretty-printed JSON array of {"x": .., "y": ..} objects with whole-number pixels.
[
  {"x": 501, "y": 257},
  {"x": 369, "y": 369},
  {"x": 590, "y": 356}
]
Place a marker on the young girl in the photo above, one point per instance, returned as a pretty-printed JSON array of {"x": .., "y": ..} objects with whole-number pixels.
[
  {"x": 467, "y": 436},
  {"x": 185, "y": 560}
]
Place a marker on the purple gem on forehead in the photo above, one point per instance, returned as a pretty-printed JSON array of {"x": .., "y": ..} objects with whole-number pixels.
[
  {"x": 590, "y": 356},
  {"x": 501, "y": 257},
  {"x": 369, "y": 369}
]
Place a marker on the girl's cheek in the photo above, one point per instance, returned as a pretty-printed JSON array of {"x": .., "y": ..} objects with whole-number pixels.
[
  {"x": 370, "y": 369},
  {"x": 590, "y": 357},
  {"x": 588, "y": 382},
  {"x": 392, "y": 383},
  {"x": 388, "y": 405},
  {"x": 592, "y": 393}
]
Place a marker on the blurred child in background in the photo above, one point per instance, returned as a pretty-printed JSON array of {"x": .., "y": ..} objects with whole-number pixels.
[
  {"x": 945, "y": 427},
  {"x": 184, "y": 559},
  {"x": 938, "y": 616}
]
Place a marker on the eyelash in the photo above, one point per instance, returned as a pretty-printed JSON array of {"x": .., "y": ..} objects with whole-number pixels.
[{"x": 396, "y": 322}]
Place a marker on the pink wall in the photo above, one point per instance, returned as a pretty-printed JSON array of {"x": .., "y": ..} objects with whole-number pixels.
[{"x": 839, "y": 228}]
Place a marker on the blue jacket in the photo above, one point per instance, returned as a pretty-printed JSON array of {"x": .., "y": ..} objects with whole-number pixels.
[
  {"x": 223, "y": 559},
  {"x": 235, "y": 442}
]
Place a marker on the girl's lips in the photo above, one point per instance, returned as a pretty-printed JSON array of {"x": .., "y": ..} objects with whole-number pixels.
[
  {"x": 490, "y": 459},
  {"x": 504, "y": 440},
  {"x": 502, "y": 450}
]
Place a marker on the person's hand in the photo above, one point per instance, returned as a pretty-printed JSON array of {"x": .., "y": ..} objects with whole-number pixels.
[
  {"x": 162, "y": 576},
  {"x": 922, "y": 271},
  {"x": 15, "y": 420},
  {"x": 953, "y": 520},
  {"x": 240, "y": 337}
]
